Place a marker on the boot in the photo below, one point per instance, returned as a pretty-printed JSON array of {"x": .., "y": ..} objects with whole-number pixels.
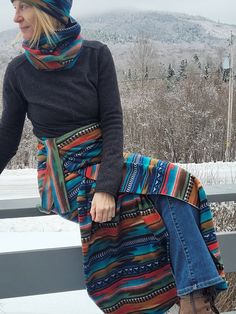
[{"x": 199, "y": 302}]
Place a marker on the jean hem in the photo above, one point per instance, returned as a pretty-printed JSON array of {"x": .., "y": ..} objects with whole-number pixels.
[{"x": 200, "y": 285}]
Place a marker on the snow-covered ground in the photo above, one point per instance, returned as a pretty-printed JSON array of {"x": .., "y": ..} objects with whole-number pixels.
[
  {"x": 53, "y": 231},
  {"x": 76, "y": 302},
  {"x": 213, "y": 172},
  {"x": 23, "y": 182}
]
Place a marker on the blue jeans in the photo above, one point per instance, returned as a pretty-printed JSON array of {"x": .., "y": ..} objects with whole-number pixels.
[{"x": 192, "y": 264}]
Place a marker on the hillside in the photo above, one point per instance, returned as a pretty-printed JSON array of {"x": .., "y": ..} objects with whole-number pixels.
[
  {"x": 174, "y": 36},
  {"x": 175, "y": 28}
]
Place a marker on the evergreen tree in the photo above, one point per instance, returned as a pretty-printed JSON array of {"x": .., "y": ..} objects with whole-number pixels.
[
  {"x": 182, "y": 69},
  {"x": 197, "y": 61},
  {"x": 226, "y": 73},
  {"x": 146, "y": 73},
  {"x": 171, "y": 72},
  {"x": 129, "y": 74},
  {"x": 206, "y": 71}
]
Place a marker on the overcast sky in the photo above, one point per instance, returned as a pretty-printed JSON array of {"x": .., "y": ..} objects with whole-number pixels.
[{"x": 218, "y": 10}]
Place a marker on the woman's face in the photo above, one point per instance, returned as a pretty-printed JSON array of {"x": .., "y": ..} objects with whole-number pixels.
[{"x": 25, "y": 17}]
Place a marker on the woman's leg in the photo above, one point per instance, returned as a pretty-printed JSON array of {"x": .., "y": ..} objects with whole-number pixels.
[{"x": 192, "y": 264}]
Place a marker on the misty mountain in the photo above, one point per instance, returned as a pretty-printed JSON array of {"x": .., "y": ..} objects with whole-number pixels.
[
  {"x": 174, "y": 36},
  {"x": 126, "y": 26}
]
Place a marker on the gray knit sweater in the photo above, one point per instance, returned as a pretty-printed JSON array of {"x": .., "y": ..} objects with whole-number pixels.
[{"x": 57, "y": 102}]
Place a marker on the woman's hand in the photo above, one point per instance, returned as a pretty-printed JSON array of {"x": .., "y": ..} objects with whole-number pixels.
[{"x": 102, "y": 207}]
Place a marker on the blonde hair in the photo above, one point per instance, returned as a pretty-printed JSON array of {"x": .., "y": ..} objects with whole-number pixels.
[{"x": 44, "y": 24}]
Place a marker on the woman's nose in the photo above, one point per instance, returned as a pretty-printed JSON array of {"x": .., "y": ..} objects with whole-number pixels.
[{"x": 17, "y": 18}]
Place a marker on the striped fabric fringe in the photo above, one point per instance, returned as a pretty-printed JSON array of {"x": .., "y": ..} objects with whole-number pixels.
[{"x": 126, "y": 263}]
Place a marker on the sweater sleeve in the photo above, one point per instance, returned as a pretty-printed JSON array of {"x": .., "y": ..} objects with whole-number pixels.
[
  {"x": 12, "y": 119},
  {"x": 111, "y": 119}
]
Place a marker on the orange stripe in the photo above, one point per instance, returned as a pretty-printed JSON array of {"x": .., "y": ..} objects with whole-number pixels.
[{"x": 164, "y": 188}]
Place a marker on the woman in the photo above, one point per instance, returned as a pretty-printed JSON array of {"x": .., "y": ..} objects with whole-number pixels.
[{"x": 140, "y": 256}]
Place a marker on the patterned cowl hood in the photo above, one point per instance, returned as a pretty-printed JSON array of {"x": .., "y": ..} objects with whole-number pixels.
[
  {"x": 65, "y": 50},
  {"x": 60, "y": 9}
]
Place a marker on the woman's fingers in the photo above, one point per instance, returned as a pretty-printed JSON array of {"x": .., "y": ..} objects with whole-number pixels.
[
  {"x": 93, "y": 212},
  {"x": 102, "y": 207},
  {"x": 104, "y": 214},
  {"x": 110, "y": 214}
]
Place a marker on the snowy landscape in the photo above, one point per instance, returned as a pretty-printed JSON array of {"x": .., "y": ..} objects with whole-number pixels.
[
  {"x": 181, "y": 51},
  {"x": 174, "y": 36}
]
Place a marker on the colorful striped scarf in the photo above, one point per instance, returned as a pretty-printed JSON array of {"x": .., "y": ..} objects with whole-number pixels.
[
  {"x": 126, "y": 260},
  {"x": 63, "y": 54}
]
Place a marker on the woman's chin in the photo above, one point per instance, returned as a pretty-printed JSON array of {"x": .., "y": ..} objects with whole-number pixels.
[{"x": 26, "y": 37}]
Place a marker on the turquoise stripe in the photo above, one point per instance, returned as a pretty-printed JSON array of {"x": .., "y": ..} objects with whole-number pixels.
[
  {"x": 206, "y": 216},
  {"x": 171, "y": 180},
  {"x": 202, "y": 194}
]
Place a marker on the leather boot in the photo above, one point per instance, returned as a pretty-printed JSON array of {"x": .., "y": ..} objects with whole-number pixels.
[{"x": 199, "y": 302}]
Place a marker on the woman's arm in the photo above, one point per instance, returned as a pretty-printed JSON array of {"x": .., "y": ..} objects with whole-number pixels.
[
  {"x": 13, "y": 117},
  {"x": 111, "y": 118}
]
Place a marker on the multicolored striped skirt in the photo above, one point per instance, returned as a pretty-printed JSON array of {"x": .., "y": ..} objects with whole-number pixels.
[{"x": 126, "y": 262}]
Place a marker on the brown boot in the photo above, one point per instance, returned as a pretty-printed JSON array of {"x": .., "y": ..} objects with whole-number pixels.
[{"x": 199, "y": 302}]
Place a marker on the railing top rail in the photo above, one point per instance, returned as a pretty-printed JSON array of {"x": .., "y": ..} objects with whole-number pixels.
[{"x": 27, "y": 207}]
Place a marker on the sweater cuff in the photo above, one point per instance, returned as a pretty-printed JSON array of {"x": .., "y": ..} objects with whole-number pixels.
[{"x": 105, "y": 191}]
